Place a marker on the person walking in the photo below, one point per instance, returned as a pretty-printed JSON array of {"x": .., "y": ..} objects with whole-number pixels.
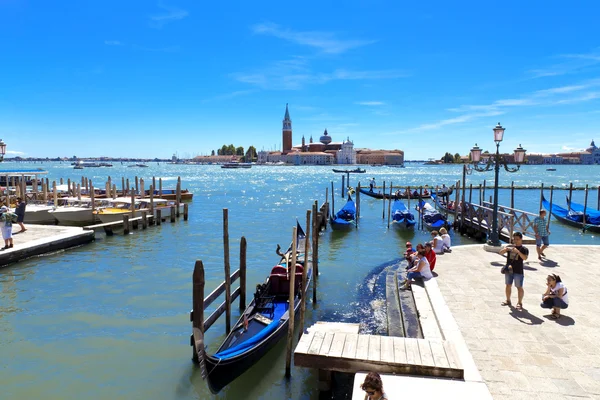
[
  {"x": 20, "y": 211},
  {"x": 540, "y": 227},
  {"x": 556, "y": 296},
  {"x": 7, "y": 218},
  {"x": 517, "y": 253}
]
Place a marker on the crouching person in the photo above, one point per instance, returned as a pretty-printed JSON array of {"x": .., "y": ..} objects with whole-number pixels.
[{"x": 556, "y": 296}]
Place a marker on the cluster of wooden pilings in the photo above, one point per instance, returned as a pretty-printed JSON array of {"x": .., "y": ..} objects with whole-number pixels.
[{"x": 316, "y": 220}]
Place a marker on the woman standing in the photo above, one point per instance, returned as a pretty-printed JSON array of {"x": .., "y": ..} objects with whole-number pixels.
[
  {"x": 373, "y": 386},
  {"x": 556, "y": 296}
]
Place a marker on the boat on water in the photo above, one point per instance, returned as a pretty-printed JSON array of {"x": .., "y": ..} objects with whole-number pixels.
[
  {"x": 263, "y": 323},
  {"x": 122, "y": 205},
  {"x": 350, "y": 171},
  {"x": 397, "y": 195},
  {"x": 550, "y": 169},
  {"x": 401, "y": 216},
  {"x": 574, "y": 215},
  {"x": 78, "y": 167},
  {"x": 443, "y": 205},
  {"x": 76, "y": 211},
  {"x": 39, "y": 214},
  {"x": 171, "y": 194},
  {"x": 346, "y": 217},
  {"x": 235, "y": 164},
  {"x": 432, "y": 218}
]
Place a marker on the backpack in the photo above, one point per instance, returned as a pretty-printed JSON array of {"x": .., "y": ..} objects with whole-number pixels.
[{"x": 14, "y": 217}]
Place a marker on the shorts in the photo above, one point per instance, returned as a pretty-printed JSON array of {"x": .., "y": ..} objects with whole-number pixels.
[
  {"x": 517, "y": 278},
  {"x": 540, "y": 239},
  {"x": 7, "y": 232},
  {"x": 20, "y": 218}
]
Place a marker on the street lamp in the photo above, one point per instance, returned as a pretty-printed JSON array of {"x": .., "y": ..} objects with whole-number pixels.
[
  {"x": 2, "y": 150},
  {"x": 495, "y": 161}
]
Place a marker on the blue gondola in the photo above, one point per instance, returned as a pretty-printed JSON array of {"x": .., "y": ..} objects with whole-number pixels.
[
  {"x": 261, "y": 326},
  {"x": 346, "y": 217},
  {"x": 402, "y": 216},
  {"x": 574, "y": 215},
  {"x": 432, "y": 218}
]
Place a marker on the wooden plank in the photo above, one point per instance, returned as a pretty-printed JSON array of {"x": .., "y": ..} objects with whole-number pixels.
[
  {"x": 208, "y": 300},
  {"x": 350, "y": 345},
  {"x": 425, "y": 352},
  {"x": 399, "y": 350},
  {"x": 304, "y": 343},
  {"x": 439, "y": 354},
  {"x": 451, "y": 355},
  {"x": 317, "y": 341},
  {"x": 387, "y": 349},
  {"x": 412, "y": 352},
  {"x": 362, "y": 349},
  {"x": 337, "y": 345},
  {"x": 374, "y": 348},
  {"x": 326, "y": 346}
]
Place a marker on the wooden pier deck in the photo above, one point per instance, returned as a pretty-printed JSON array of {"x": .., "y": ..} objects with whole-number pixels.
[
  {"x": 342, "y": 351},
  {"x": 43, "y": 239}
]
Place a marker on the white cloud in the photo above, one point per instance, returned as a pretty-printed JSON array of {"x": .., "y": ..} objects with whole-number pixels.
[
  {"x": 15, "y": 153},
  {"x": 572, "y": 63},
  {"x": 323, "y": 41},
  {"x": 113, "y": 43},
  {"x": 370, "y": 103},
  {"x": 172, "y": 14}
]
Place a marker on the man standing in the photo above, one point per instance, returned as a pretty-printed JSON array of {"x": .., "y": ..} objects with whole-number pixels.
[
  {"x": 20, "y": 211},
  {"x": 517, "y": 253},
  {"x": 540, "y": 226},
  {"x": 372, "y": 185}
]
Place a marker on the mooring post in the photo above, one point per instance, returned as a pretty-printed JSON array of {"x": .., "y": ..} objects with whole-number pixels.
[
  {"x": 54, "y": 194},
  {"x": 198, "y": 308},
  {"x": 154, "y": 182},
  {"x": 125, "y": 224},
  {"x": 132, "y": 204},
  {"x": 357, "y": 203},
  {"x": 343, "y": 186},
  {"x": 291, "y": 303},
  {"x": 142, "y": 189},
  {"x": 303, "y": 287},
  {"x": 78, "y": 191},
  {"x": 185, "y": 211},
  {"x": 332, "y": 201},
  {"x": 550, "y": 210},
  {"x": 512, "y": 195},
  {"x": 242, "y": 272},
  {"x": 598, "y": 199},
  {"x": 420, "y": 209},
  {"x": 151, "y": 200},
  {"x": 227, "y": 271},
  {"x": 158, "y": 216},
  {"x": 390, "y": 205},
  {"x": 570, "y": 194},
  {"x": 137, "y": 185},
  {"x": 160, "y": 188},
  {"x": 178, "y": 195},
  {"x": 126, "y": 189},
  {"x": 315, "y": 246},
  {"x": 122, "y": 186},
  {"x": 144, "y": 219},
  {"x": 92, "y": 195},
  {"x": 383, "y": 202},
  {"x": 172, "y": 214},
  {"x": 483, "y": 193},
  {"x": 584, "y": 206},
  {"x": 541, "y": 197},
  {"x": 69, "y": 193},
  {"x": 456, "y": 199},
  {"x": 61, "y": 181}
]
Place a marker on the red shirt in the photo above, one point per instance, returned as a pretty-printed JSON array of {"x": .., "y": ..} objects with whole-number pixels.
[{"x": 430, "y": 256}]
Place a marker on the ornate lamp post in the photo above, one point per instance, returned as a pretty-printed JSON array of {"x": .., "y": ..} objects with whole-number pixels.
[
  {"x": 495, "y": 161},
  {"x": 2, "y": 150}
]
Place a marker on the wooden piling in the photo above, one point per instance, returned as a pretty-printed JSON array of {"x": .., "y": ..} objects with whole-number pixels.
[
  {"x": 470, "y": 192},
  {"x": 137, "y": 185},
  {"x": 512, "y": 195},
  {"x": 178, "y": 195},
  {"x": 78, "y": 192},
  {"x": 389, "y": 205},
  {"x": 550, "y": 210},
  {"x": 305, "y": 272},
  {"x": 198, "y": 307},
  {"x": 132, "y": 204},
  {"x": 570, "y": 193},
  {"x": 243, "y": 246},
  {"x": 185, "y": 211},
  {"x": 342, "y": 194},
  {"x": 357, "y": 203},
  {"x": 172, "y": 214},
  {"x": 227, "y": 271},
  {"x": 456, "y": 200},
  {"x": 483, "y": 193},
  {"x": 126, "y": 188},
  {"x": 332, "y": 201},
  {"x": 123, "y": 187},
  {"x": 291, "y": 313},
  {"x": 420, "y": 209},
  {"x": 315, "y": 263},
  {"x": 142, "y": 189},
  {"x": 598, "y": 199},
  {"x": 125, "y": 224},
  {"x": 151, "y": 200},
  {"x": 54, "y": 194},
  {"x": 158, "y": 216},
  {"x": 160, "y": 188},
  {"x": 92, "y": 195},
  {"x": 61, "y": 181},
  {"x": 541, "y": 197},
  {"x": 383, "y": 202},
  {"x": 154, "y": 182},
  {"x": 69, "y": 193},
  {"x": 144, "y": 219},
  {"x": 114, "y": 191},
  {"x": 584, "y": 206}
]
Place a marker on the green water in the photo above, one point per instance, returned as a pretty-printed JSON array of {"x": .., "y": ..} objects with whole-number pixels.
[{"x": 110, "y": 320}]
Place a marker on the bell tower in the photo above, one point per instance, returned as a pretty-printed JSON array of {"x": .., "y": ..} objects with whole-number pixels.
[{"x": 287, "y": 132}]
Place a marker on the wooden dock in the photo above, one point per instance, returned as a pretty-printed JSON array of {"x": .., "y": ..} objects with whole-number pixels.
[
  {"x": 330, "y": 348},
  {"x": 43, "y": 239}
]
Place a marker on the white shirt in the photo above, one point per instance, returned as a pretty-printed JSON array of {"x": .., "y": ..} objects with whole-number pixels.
[
  {"x": 438, "y": 245},
  {"x": 560, "y": 285},
  {"x": 426, "y": 271},
  {"x": 446, "y": 240}
]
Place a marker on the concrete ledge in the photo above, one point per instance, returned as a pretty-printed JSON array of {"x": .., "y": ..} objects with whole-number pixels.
[{"x": 42, "y": 240}]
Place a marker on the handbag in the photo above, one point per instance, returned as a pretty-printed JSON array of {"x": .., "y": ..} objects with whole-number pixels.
[{"x": 507, "y": 268}]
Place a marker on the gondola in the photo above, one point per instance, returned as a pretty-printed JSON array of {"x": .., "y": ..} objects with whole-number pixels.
[
  {"x": 401, "y": 215},
  {"x": 394, "y": 195},
  {"x": 350, "y": 171},
  {"x": 346, "y": 217},
  {"x": 261, "y": 326},
  {"x": 574, "y": 215},
  {"x": 432, "y": 218},
  {"x": 441, "y": 204}
]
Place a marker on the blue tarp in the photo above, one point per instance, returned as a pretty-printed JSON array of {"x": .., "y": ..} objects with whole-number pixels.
[
  {"x": 591, "y": 216},
  {"x": 248, "y": 344},
  {"x": 347, "y": 214}
]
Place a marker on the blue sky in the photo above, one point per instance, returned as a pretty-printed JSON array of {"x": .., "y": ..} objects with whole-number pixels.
[{"x": 148, "y": 79}]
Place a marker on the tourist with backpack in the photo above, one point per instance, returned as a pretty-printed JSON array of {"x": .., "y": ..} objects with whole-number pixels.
[{"x": 7, "y": 218}]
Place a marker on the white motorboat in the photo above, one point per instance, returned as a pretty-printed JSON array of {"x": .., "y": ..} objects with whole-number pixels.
[
  {"x": 76, "y": 211},
  {"x": 39, "y": 214},
  {"x": 122, "y": 206}
]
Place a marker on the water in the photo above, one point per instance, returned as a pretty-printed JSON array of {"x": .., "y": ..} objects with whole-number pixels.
[{"x": 111, "y": 319}]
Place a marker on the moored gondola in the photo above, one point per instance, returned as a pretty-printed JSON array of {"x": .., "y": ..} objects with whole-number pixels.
[
  {"x": 574, "y": 215},
  {"x": 346, "y": 217}
]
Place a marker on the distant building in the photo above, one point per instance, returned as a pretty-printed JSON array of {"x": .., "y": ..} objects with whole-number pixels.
[
  {"x": 553, "y": 159},
  {"x": 384, "y": 157},
  {"x": 311, "y": 158},
  {"x": 591, "y": 155},
  {"x": 287, "y": 131}
]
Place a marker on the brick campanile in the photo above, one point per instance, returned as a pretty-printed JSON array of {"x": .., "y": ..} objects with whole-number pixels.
[{"x": 287, "y": 132}]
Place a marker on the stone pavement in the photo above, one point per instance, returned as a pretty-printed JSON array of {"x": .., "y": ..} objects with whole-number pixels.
[{"x": 523, "y": 354}]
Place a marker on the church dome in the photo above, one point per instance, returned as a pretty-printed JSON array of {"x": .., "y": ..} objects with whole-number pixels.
[
  {"x": 592, "y": 147},
  {"x": 325, "y": 139}
]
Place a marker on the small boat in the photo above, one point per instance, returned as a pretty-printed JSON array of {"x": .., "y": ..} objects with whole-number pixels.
[
  {"x": 432, "y": 218},
  {"x": 442, "y": 205},
  {"x": 401, "y": 195},
  {"x": 401, "y": 215},
  {"x": 350, "y": 171},
  {"x": 574, "y": 215},
  {"x": 346, "y": 217},
  {"x": 235, "y": 164},
  {"x": 550, "y": 169},
  {"x": 141, "y": 165},
  {"x": 78, "y": 167},
  {"x": 262, "y": 325},
  {"x": 39, "y": 214},
  {"x": 122, "y": 205},
  {"x": 75, "y": 211},
  {"x": 171, "y": 194}
]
